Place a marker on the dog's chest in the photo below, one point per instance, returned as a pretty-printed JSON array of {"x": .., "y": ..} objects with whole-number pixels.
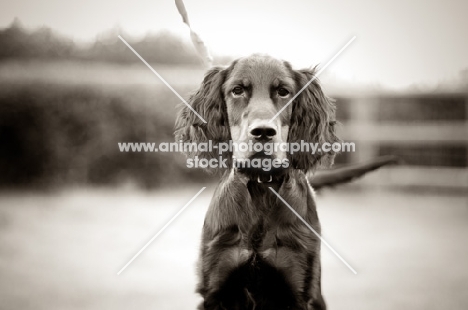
[
  {"x": 267, "y": 240},
  {"x": 272, "y": 228}
]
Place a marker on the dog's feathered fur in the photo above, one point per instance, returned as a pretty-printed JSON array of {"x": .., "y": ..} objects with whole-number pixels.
[{"x": 255, "y": 253}]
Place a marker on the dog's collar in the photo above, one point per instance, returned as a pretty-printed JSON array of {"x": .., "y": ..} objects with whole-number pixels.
[
  {"x": 268, "y": 179},
  {"x": 262, "y": 180}
]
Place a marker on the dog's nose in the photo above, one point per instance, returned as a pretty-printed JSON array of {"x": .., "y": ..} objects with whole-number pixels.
[{"x": 263, "y": 131}]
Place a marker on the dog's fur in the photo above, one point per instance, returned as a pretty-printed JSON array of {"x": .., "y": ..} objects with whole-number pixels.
[{"x": 256, "y": 253}]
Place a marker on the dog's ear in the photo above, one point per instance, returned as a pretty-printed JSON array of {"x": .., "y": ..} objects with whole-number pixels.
[
  {"x": 313, "y": 121},
  {"x": 208, "y": 101}
]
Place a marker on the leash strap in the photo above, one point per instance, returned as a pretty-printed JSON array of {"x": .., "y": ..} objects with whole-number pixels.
[{"x": 197, "y": 41}]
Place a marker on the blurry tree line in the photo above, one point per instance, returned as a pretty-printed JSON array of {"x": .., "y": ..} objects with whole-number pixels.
[{"x": 43, "y": 43}]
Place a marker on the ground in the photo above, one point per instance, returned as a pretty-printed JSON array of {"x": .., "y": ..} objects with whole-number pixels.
[{"x": 63, "y": 250}]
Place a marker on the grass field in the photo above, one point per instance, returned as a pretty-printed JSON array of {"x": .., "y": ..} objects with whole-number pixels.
[{"x": 63, "y": 250}]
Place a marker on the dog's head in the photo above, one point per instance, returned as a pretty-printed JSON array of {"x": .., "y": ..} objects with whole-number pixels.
[{"x": 241, "y": 104}]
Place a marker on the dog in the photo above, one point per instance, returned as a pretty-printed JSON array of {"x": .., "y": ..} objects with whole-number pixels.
[{"x": 256, "y": 253}]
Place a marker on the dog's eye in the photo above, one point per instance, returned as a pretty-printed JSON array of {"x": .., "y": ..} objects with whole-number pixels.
[
  {"x": 283, "y": 92},
  {"x": 237, "y": 91}
]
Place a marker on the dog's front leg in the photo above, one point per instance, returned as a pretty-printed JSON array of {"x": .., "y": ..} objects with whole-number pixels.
[
  {"x": 299, "y": 252},
  {"x": 221, "y": 249}
]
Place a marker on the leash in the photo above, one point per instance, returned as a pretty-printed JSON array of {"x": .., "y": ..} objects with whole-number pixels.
[{"x": 197, "y": 41}]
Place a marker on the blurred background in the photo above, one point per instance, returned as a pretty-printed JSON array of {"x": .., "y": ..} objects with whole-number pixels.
[{"x": 74, "y": 210}]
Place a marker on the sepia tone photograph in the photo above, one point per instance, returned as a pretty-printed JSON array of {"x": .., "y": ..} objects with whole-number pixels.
[{"x": 233, "y": 155}]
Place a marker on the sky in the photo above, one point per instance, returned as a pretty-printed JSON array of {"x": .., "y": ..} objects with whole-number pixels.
[{"x": 398, "y": 43}]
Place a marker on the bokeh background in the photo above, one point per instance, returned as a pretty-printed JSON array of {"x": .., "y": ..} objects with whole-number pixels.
[{"x": 74, "y": 209}]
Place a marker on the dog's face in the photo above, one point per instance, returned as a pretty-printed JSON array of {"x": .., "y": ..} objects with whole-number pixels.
[
  {"x": 257, "y": 88},
  {"x": 239, "y": 103}
]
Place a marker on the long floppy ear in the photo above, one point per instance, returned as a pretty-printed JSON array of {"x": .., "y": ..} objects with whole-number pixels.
[
  {"x": 208, "y": 101},
  {"x": 313, "y": 121}
]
